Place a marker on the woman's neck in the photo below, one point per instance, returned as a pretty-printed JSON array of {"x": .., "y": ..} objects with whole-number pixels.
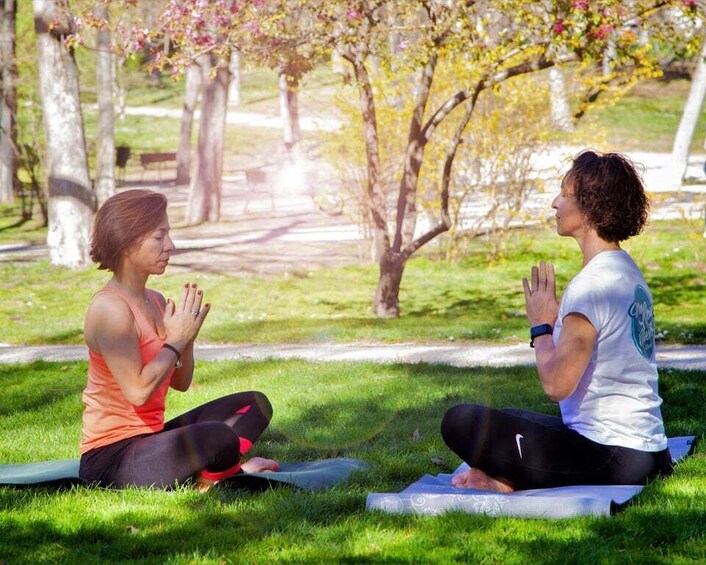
[
  {"x": 591, "y": 245},
  {"x": 130, "y": 282}
]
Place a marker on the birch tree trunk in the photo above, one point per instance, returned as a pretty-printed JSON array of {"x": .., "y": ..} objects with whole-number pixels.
[
  {"x": 689, "y": 119},
  {"x": 234, "y": 88},
  {"x": 105, "y": 82},
  {"x": 71, "y": 200},
  {"x": 205, "y": 192},
  {"x": 561, "y": 113},
  {"x": 289, "y": 110},
  {"x": 9, "y": 183},
  {"x": 192, "y": 88}
]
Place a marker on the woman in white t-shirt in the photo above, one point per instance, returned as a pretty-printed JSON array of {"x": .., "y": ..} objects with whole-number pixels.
[{"x": 595, "y": 354}]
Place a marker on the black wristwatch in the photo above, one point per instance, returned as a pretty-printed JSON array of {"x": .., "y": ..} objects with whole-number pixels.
[{"x": 541, "y": 329}]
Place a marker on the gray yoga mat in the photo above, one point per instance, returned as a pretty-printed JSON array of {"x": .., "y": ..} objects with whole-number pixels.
[
  {"x": 309, "y": 475},
  {"x": 433, "y": 495}
]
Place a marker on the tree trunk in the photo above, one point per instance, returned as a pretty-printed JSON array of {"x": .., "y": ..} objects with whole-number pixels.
[
  {"x": 289, "y": 110},
  {"x": 387, "y": 295},
  {"x": 105, "y": 158},
  {"x": 561, "y": 113},
  {"x": 689, "y": 119},
  {"x": 71, "y": 200},
  {"x": 9, "y": 183},
  {"x": 376, "y": 196},
  {"x": 191, "y": 96},
  {"x": 205, "y": 192},
  {"x": 234, "y": 88},
  {"x": 416, "y": 142}
]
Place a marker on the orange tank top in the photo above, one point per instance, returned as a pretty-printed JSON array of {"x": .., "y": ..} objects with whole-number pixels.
[{"x": 108, "y": 416}]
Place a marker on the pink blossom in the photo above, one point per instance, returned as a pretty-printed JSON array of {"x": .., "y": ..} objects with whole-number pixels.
[
  {"x": 580, "y": 5},
  {"x": 604, "y": 31},
  {"x": 559, "y": 27},
  {"x": 352, "y": 14}
]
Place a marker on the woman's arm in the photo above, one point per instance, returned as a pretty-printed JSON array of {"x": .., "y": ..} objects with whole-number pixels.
[
  {"x": 185, "y": 319},
  {"x": 110, "y": 332},
  {"x": 559, "y": 367},
  {"x": 182, "y": 377}
]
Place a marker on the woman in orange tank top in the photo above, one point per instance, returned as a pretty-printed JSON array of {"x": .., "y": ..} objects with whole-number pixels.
[{"x": 141, "y": 345}]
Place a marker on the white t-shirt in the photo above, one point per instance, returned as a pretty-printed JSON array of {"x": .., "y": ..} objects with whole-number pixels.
[{"x": 616, "y": 400}]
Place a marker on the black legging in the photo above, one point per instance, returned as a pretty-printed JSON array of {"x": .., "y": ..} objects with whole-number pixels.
[
  {"x": 209, "y": 438},
  {"x": 532, "y": 450}
]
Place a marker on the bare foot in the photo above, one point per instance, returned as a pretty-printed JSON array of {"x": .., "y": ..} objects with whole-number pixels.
[
  {"x": 259, "y": 465},
  {"x": 202, "y": 484},
  {"x": 477, "y": 479}
]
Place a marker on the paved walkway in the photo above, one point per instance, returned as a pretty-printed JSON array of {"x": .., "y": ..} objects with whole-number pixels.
[{"x": 457, "y": 355}]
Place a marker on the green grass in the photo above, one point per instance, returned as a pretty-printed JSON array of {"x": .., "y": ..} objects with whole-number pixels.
[
  {"x": 476, "y": 300},
  {"x": 648, "y": 117},
  {"x": 322, "y": 411}
]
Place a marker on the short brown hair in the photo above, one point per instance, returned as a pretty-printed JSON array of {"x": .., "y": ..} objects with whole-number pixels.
[
  {"x": 122, "y": 220},
  {"x": 610, "y": 194}
]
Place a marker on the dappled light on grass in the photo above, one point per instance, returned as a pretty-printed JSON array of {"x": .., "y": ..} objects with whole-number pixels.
[
  {"x": 473, "y": 300},
  {"x": 322, "y": 410}
]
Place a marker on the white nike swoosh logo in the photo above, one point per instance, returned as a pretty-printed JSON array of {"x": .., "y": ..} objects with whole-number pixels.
[{"x": 518, "y": 437}]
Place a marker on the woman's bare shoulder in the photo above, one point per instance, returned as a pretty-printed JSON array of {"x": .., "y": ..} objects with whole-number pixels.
[{"x": 108, "y": 312}]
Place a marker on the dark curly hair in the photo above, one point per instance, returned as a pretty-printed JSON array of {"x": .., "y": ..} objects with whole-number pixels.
[
  {"x": 122, "y": 220},
  {"x": 610, "y": 194}
]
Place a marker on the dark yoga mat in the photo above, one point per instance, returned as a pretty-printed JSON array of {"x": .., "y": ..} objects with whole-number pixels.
[{"x": 309, "y": 475}]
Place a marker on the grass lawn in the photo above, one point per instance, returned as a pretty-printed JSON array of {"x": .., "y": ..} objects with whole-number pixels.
[
  {"x": 322, "y": 411},
  {"x": 474, "y": 300}
]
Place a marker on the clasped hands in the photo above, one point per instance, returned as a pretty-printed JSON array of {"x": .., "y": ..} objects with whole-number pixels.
[
  {"x": 184, "y": 320},
  {"x": 540, "y": 295}
]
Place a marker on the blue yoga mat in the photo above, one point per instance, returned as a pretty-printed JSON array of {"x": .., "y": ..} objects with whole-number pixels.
[
  {"x": 309, "y": 475},
  {"x": 435, "y": 495}
]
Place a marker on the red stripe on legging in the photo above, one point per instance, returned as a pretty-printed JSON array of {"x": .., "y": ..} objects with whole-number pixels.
[
  {"x": 245, "y": 445},
  {"x": 220, "y": 475}
]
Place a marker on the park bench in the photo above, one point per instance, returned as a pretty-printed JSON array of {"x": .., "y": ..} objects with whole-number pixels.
[
  {"x": 258, "y": 181},
  {"x": 148, "y": 160}
]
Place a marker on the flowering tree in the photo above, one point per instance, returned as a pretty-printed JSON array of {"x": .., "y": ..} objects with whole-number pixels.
[{"x": 491, "y": 41}]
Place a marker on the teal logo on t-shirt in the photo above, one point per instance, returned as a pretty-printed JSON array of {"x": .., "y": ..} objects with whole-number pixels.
[{"x": 643, "y": 323}]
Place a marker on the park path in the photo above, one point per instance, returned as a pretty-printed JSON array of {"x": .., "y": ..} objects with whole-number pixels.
[
  {"x": 278, "y": 231},
  {"x": 691, "y": 357}
]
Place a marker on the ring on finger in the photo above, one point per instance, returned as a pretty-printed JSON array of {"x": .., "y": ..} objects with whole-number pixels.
[{"x": 194, "y": 313}]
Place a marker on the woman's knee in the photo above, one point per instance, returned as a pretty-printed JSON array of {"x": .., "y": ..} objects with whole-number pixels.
[
  {"x": 263, "y": 403},
  {"x": 218, "y": 437},
  {"x": 459, "y": 421}
]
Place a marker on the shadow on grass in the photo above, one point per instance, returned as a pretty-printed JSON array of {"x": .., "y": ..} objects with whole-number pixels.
[
  {"x": 671, "y": 289},
  {"x": 18, "y": 224},
  {"x": 286, "y": 525},
  {"x": 36, "y": 387},
  {"x": 375, "y": 422}
]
